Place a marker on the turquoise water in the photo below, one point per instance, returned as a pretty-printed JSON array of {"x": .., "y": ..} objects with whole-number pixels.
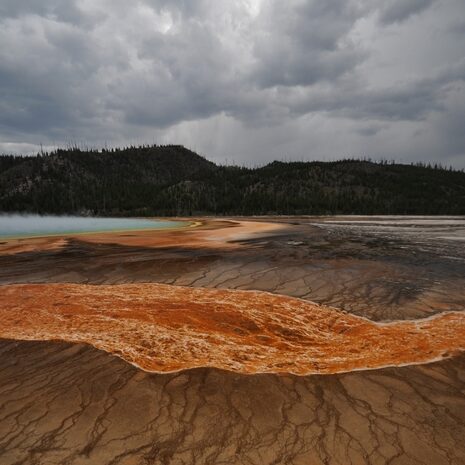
[{"x": 37, "y": 225}]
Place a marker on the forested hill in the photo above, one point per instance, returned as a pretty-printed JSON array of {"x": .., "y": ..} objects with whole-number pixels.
[{"x": 172, "y": 180}]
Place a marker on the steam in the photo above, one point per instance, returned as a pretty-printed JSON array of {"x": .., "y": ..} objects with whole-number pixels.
[{"x": 37, "y": 225}]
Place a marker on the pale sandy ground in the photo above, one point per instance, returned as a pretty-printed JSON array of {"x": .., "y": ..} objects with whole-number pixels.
[{"x": 72, "y": 404}]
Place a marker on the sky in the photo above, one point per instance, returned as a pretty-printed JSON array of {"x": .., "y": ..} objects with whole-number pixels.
[{"x": 238, "y": 81}]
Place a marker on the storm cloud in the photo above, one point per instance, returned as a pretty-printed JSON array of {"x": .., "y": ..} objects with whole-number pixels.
[{"x": 246, "y": 81}]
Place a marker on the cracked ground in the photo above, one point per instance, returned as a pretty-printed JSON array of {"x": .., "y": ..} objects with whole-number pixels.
[{"x": 63, "y": 403}]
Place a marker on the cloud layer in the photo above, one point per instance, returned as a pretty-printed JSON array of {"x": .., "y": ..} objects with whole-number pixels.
[{"x": 243, "y": 80}]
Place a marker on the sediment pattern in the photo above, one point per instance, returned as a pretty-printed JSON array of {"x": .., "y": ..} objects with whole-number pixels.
[
  {"x": 197, "y": 235},
  {"x": 369, "y": 276},
  {"x": 69, "y": 404},
  {"x": 163, "y": 328}
]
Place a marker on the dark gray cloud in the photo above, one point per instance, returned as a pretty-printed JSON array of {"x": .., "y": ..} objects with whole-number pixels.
[
  {"x": 396, "y": 11},
  {"x": 59, "y": 10},
  {"x": 301, "y": 43},
  {"x": 411, "y": 100},
  {"x": 246, "y": 79}
]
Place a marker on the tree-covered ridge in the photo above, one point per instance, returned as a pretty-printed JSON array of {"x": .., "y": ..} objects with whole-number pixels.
[{"x": 172, "y": 180}]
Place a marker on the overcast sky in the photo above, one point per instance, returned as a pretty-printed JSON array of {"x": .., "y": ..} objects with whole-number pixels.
[{"x": 243, "y": 81}]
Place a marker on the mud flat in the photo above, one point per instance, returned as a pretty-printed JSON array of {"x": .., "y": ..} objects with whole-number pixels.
[{"x": 70, "y": 403}]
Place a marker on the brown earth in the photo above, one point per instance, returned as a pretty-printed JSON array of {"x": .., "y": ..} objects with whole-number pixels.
[
  {"x": 368, "y": 276},
  {"x": 72, "y": 404}
]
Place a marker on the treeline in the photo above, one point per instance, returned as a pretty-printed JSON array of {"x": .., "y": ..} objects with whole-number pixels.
[{"x": 172, "y": 180}]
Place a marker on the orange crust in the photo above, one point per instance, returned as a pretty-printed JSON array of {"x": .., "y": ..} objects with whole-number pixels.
[
  {"x": 163, "y": 328},
  {"x": 204, "y": 234}
]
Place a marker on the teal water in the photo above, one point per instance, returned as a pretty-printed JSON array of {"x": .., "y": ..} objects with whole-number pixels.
[{"x": 37, "y": 225}]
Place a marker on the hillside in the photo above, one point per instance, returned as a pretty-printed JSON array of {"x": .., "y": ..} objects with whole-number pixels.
[{"x": 172, "y": 180}]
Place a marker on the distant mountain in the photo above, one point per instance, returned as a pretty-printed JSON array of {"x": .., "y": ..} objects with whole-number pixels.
[{"x": 172, "y": 180}]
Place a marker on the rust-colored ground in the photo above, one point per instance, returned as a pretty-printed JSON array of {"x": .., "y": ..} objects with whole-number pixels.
[
  {"x": 204, "y": 234},
  {"x": 70, "y": 403},
  {"x": 164, "y": 328}
]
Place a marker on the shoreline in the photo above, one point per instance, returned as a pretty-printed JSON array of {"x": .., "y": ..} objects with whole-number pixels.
[
  {"x": 198, "y": 233},
  {"x": 71, "y": 234}
]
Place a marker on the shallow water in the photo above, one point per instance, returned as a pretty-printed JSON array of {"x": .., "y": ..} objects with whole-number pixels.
[
  {"x": 441, "y": 233},
  {"x": 37, "y": 225}
]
